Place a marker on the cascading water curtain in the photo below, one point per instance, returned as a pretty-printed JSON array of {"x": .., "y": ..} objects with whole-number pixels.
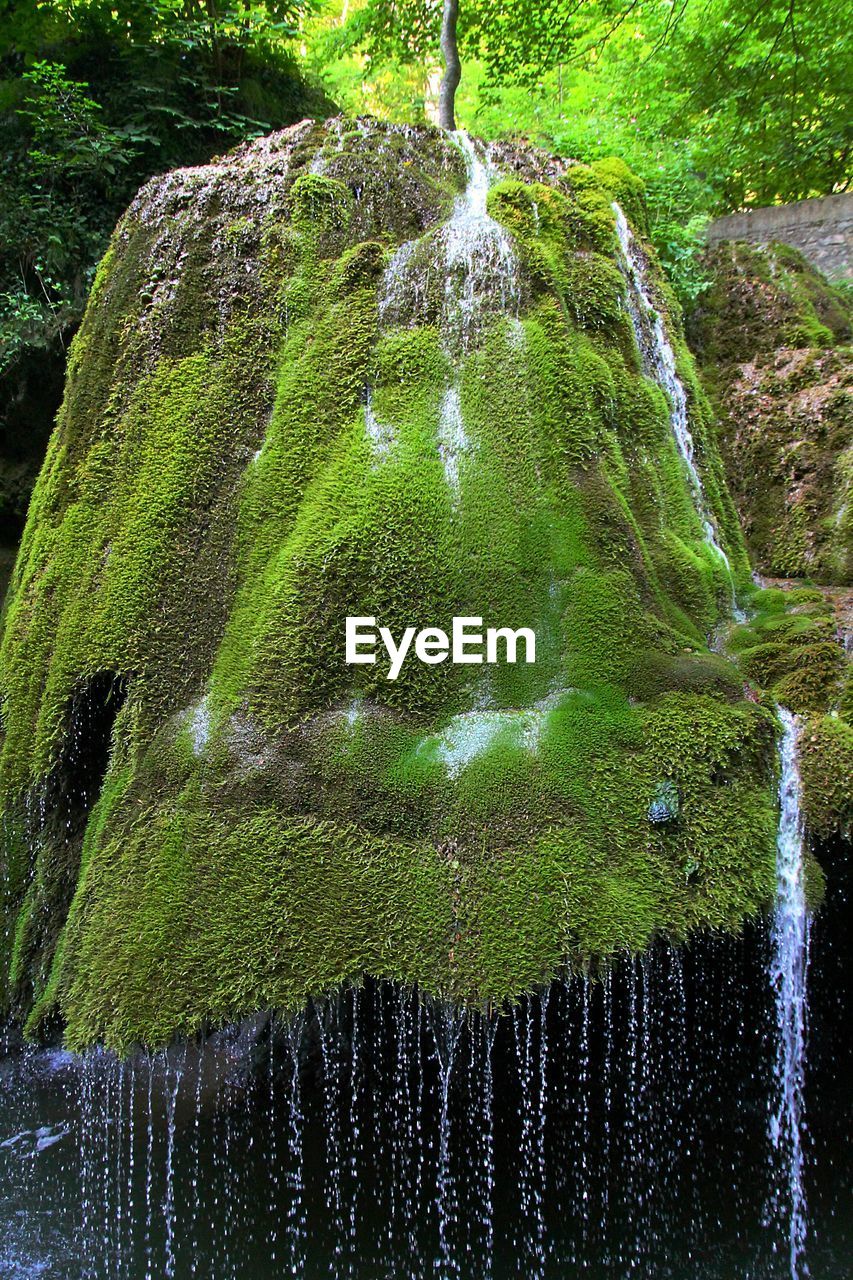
[{"x": 613, "y": 1124}]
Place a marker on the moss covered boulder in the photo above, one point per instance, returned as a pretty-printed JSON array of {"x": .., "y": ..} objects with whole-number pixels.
[
  {"x": 773, "y": 343},
  {"x": 354, "y": 369}
]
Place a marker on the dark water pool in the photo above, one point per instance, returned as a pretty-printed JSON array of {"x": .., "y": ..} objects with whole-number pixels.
[{"x": 607, "y": 1128}]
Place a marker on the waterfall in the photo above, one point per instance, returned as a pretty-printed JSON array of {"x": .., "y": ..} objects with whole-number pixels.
[
  {"x": 471, "y": 252},
  {"x": 659, "y": 364},
  {"x": 480, "y": 262},
  {"x": 475, "y": 257},
  {"x": 788, "y": 966},
  {"x": 599, "y": 1126}
]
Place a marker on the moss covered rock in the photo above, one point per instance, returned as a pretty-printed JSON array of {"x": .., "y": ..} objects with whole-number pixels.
[
  {"x": 793, "y": 649},
  {"x": 773, "y": 341},
  {"x": 279, "y": 414}
]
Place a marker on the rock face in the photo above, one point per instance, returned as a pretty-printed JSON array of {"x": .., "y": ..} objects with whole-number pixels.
[
  {"x": 821, "y": 229},
  {"x": 356, "y": 369},
  {"x": 773, "y": 343}
]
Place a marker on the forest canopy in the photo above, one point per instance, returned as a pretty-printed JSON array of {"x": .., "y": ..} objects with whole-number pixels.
[
  {"x": 717, "y": 104},
  {"x": 95, "y": 97}
]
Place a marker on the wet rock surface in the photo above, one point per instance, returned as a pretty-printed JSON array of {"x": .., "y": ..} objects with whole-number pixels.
[{"x": 262, "y": 434}]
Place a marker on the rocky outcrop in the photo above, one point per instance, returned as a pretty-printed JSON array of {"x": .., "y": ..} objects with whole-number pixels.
[
  {"x": 821, "y": 229},
  {"x": 773, "y": 343},
  {"x": 358, "y": 369},
  {"x": 772, "y": 339}
]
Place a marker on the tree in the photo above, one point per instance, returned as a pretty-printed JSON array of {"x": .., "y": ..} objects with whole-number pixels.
[
  {"x": 515, "y": 39},
  {"x": 453, "y": 66},
  {"x": 757, "y": 93}
]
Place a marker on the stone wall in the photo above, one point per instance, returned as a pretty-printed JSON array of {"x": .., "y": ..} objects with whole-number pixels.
[{"x": 821, "y": 229}]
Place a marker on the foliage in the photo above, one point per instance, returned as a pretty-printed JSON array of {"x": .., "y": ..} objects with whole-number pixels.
[
  {"x": 760, "y": 93},
  {"x": 51, "y": 221},
  {"x": 513, "y": 37},
  {"x": 96, "y": 96},
  {"x": 716, "y": 104}
]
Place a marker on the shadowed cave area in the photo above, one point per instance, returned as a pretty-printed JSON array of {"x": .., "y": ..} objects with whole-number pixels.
[
  {"x": 75, "y": 783},
  {"x": 56, "y": 817}
]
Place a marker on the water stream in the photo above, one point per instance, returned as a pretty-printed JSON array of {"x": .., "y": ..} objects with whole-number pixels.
[
  {"x": 472, "y": 254},
  {"x": 790, "y": 942},
  {"x": 659, "y": 364},
  {"x": 460, "y": 273}
]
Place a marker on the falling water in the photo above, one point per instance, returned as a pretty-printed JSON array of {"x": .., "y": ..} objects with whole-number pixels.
[
  {"x": 481, "y": 267},
  {"x": 355, "y": 1154},
  {"x": 531, "y": 1049},
  {"x": 169, "y": 1202},
  {"x": 659, "y": 362},
  {"x": 605, "y": 1126},
  {"x": 474, "y": 256},
  {"x": 447, "y": 1028},
  {"x": 296, "y": 1146},
  {"x": 453, "y": 442},
  {"x": 327, "y": 1014},
  {"x": 471, "y": 253},
  {"x": 790, "y": 939},
  {"x": 381, "y": 435}
]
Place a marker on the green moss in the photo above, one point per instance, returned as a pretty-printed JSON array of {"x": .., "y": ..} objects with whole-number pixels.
[
  {"x": 319, "y": 205},
  {"x": 594, "y": 289},
  {"x": 592, "y": 214},
  {"x": 762, "y": 299},
  {"x": 826, "y": 767},
  {"x": 46, "y": 997},
  {"x": 18, "y": 956},
  {"x": 358, "y": 268},
  {"x": 265, "y": 908},
  {"x": 550, "y": 224},
  {"x": 216, "y": 893},
  {"x": 788, "y": 647},
  {"x": 625, "y": 188},
  {"x": 404, "y": 182},
  {"x": 274, "y": 822}
]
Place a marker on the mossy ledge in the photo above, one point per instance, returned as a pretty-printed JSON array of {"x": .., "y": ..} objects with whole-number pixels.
[
  {"x": 247, "y": 452},
  {"x": 791, "y": 650}
]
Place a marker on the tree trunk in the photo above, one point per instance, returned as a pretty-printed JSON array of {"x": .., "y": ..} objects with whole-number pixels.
[{"x": 453, "y": 67}]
